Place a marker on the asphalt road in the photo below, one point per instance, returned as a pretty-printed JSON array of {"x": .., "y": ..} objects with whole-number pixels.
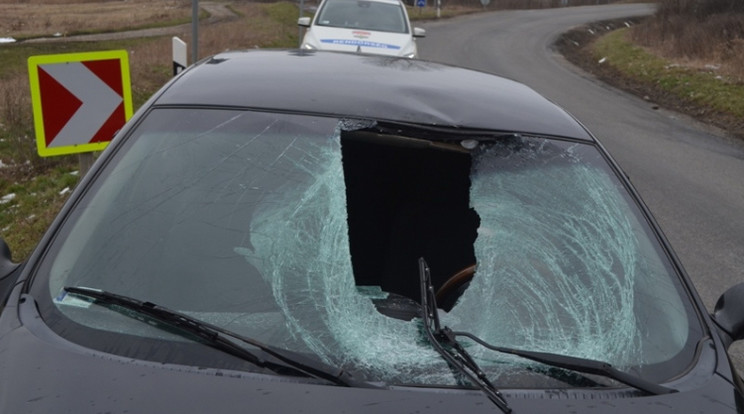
[{"x": 690, "y": 175}]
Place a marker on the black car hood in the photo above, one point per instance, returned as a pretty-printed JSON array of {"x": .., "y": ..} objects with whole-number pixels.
[{"x": 43, "y": 373}]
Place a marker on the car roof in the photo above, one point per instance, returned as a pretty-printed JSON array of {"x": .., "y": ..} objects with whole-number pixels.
[{"x": 368, "y": 86}]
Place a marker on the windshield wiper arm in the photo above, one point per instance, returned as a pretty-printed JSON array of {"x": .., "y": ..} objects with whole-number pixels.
[
  {"x": 584, "y": 365},
  {"x": 220, "y": 338},
  {"x": 444, "y": 342}
]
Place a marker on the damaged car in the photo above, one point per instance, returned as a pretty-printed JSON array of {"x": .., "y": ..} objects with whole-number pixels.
[{"x": 271, "y": 234}]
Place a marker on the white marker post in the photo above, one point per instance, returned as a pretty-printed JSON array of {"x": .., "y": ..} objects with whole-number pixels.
[
  {"x": 194, "y": 30},
  {"x": 180, "y": 60}
]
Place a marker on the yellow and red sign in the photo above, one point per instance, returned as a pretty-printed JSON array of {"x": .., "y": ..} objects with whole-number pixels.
[{"x": 80, "y": 100}]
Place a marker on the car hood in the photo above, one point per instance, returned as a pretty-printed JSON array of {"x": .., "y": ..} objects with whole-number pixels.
[
  {"x": 359, "y": 40},
  {"x": 44, "y": 373}
]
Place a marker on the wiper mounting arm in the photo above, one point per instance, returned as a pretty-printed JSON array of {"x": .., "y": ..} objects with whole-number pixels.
[
  {"x": 443, "y": 340},
  {"x": 220, "y": 338},
  {"x": 584, "y": 365}
]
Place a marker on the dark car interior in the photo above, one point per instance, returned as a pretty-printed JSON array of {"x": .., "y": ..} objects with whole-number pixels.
[{"x": 407, "y": 198}]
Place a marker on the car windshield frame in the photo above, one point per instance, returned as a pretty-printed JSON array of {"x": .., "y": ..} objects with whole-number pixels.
[
  {"x": 370, "y": 15},
  {"x": 194, "y": 151}
]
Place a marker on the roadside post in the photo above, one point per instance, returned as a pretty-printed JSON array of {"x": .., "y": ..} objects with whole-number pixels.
[
  {"x": 180, "y": 61},
  {"x": 80, "y": 101},
  {"x": 302, "y": 12}
]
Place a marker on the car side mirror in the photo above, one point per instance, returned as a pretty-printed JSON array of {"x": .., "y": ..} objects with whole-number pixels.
[
  {"x": 7, "y": 267},
  {"x": 303, "y": 21},
  {"x": 729, "y": 313},
  {"x": 419, "y": 32}
]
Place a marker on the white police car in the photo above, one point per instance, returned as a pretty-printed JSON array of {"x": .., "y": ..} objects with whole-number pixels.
[{"x": 378, "y": 27}]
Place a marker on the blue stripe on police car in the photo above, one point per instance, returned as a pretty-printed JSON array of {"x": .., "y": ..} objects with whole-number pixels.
[{"x": 362, "y": 43}]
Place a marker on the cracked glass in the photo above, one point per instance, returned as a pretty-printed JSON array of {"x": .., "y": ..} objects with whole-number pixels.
[{"x": 301, "y": 231}]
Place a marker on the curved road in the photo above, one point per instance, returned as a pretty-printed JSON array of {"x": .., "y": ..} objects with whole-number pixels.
[{"x": 690, "y": 175}]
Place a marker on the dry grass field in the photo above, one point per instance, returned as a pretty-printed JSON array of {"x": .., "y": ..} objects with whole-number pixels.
[
  {"x": 34, "y": 18},
  {"x": 702, "y": 34}
]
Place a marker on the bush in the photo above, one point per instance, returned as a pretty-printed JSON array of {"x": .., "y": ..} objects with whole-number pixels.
[
  {"x": 710, "y": 32},
  {"x": 699, "y": 9}
]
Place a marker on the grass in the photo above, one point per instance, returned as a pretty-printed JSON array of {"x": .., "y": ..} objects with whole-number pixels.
[
  {"x": 705, "y": 33},
  {"x": 701, "y": 88},
  {"x": 33, "y": 18},
  {"x": 35, "y": 202}
]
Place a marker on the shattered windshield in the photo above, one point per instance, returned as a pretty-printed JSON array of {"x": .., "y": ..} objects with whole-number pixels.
[{"x": 305, "y": 232}]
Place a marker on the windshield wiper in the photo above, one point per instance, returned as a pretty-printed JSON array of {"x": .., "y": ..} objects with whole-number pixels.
[
  {"x": 444, "y": 342},
  {"x": 220, "y": 338},
  {"x": 584, "y": 365}
]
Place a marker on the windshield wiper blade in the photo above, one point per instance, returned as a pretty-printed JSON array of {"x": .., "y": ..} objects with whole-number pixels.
[
  {"x": 444, "y": 342},
  {"x": 220, "y": 338},
  {"x": 584, "y": 365}
]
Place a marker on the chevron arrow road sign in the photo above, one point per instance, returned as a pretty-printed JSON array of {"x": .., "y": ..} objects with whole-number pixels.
[{"x": 79, "y": 100}]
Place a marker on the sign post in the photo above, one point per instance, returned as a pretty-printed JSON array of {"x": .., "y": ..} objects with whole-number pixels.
[
  {"x": 194, "y": 30},
  {"x": 80, "y": 100},
  {"x": 420, "y": 4}
]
